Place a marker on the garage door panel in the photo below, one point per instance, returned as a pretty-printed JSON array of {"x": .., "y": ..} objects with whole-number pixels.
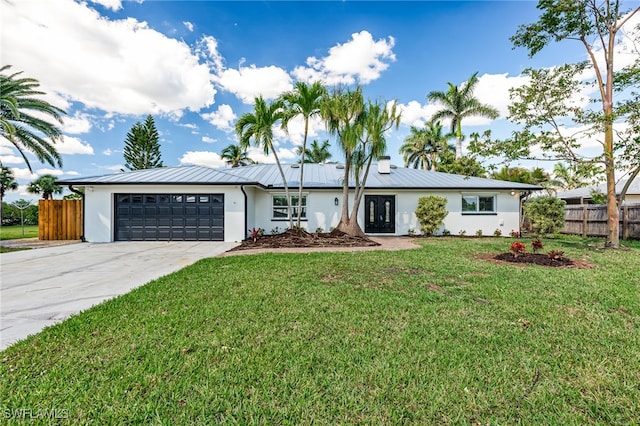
[{"x": 169, "y": 217}]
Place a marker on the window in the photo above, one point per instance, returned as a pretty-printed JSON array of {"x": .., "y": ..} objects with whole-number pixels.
[
  {"x": 280, "y": 207},
  {"x": 481, "y": 204}
]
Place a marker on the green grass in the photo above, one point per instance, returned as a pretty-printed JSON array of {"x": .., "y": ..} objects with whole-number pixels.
[
  {"x": 10, "y": 249},
  {"x": 14, "y": 232},
  {"x": 426, "y": 336}
]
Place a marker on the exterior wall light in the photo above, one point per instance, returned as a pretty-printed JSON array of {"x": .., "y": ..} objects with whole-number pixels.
[{"x": 336, "y": 201}]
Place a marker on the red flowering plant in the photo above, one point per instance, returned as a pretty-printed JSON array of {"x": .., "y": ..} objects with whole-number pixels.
[
  {"x": 536, "y": 245},
  {"x": 518, "y": 248},
  {"x": 514, "y": 234}
]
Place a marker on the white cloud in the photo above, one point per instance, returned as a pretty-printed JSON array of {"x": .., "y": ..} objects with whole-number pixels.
[
  {"x": 207, "y": 139},
  {"x": 71, "y": 146},
  {"x": 188, "y": 25},
  {"x": 295, "y": 130},
  {"x": 11, "y": 159},
  {"x": 77, "y": 124},
  {"x": 202, "y": 158},
  {"x": 249, "y": 82},
  {"x": 222, "y": 118},
  {"x": 493, "y": 89},
  {"x": 54, "y": 172},
  {"x": 285, "y": 155},
  {"x": 416, "y": 114},
  {"x": 119, "y": 66},
  {"x": 114, "y": 5},
  {"x": 360, "y": 59},
  {"x": 207, "y": 48},
  {"x": 24, "y": 174}
]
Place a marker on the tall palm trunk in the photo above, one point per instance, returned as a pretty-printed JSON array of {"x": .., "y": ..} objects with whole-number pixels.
[
  {"x": 304, "y": 148},
  {"x": 286, "y": 188}
]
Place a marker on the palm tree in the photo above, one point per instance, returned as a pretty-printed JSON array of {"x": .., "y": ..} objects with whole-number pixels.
[
  {"x": 21, "y": 122},
  {"x": 459, "y": 103},
  {"x": 423, "y": 146},
  {"x": 235, "y": 156},
  {"x": 316, "y": 153},
  {"x": 45, "y": 185},
  {"x": 258, "y": 126},
  {"x": 360, "y": 127},
  {"x": 303, "y": 101},
  {"x": 567, "y": 178},
  {"x": 7, "y": 183}
]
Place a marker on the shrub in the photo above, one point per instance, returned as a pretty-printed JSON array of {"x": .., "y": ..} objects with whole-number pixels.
[
  {"x": 431, "y": 212},
  {"x": 546, "y": 214},
  {"x": 411, "y": 232},
  {"x": 319, "y": 230},
  {"x": 446, "y": 232},
  {"x": 275, "y": 230},
  {"x": 518, "y": 248},
  {"x": 462, "y": 232},
  {"x": 536, "y": 245},
  {"x": 479, "y": 233},
  {"x": 555, "y": 254},
  {"x": 256, "y": 233},
  {"x": 514, "y": 234},
  {"x": 497, "y": 233}
]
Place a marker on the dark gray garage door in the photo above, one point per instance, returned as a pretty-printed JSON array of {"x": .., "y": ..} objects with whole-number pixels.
[{"x": 152, "y": 217}]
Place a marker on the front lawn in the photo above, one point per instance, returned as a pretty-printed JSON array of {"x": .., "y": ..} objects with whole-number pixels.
[
  {"x": 13, "y": 232},
  {"x": 426, "y": 336}
]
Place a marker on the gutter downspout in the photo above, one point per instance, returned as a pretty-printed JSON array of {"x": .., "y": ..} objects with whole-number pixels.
[
  {"x": 75, "y": 191},
  {"x": 246, "y": 223}
]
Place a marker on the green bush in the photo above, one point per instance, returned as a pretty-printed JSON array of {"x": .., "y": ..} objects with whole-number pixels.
[
  {"x": 546, "y": 214},
  {"x": 431, "y": 212}
]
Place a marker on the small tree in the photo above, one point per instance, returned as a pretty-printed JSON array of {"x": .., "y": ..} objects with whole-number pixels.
[
  {"x": 45, "y": 185},
  {"x": 546, "y": 214},
  {"x": 142, "y": 146},
  {"x": 431, "y": 212},
  {"x": 7, "y": 183}
]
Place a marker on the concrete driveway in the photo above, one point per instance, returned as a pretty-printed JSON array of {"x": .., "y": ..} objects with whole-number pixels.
[{"x": 44, "y": 286}]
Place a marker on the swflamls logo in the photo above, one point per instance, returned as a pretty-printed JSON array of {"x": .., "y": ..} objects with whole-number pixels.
[{"x": 28, "y": 413}]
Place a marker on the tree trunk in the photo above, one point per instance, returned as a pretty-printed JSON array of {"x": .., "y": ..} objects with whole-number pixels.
[
  {"x": 286, "y": 188},
  {"x": 304, "y": 148}
]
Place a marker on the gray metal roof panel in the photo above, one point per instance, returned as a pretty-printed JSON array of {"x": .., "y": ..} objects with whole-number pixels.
[{"x": 315, "y": 176}]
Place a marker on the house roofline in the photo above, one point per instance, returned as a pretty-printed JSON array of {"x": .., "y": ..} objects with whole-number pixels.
[{"x": 307, "y": 187}]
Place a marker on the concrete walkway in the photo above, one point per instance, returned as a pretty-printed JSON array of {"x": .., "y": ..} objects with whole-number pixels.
[{"x": 43, "y": 286}]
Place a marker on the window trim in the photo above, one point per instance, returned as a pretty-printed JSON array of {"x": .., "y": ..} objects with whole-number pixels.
[
  {"x": 305, "y": 206},
  {"x": 479, "y": 195}
]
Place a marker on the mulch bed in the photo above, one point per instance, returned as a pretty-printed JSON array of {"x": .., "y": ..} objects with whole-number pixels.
[
  {"x": 537, "y": 259},
  {"x": 300, "y": 238}
]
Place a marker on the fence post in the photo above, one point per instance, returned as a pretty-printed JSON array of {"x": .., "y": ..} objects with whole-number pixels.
[
  {"x": 585, "y": 222},
  {"x": 626, "y": 229}
]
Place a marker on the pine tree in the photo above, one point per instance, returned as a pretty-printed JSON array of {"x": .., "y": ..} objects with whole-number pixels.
[{"x": 142, "y": 148}]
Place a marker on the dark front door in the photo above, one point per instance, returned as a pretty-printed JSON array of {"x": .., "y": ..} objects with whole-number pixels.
[{"x": 380, "y": 214}]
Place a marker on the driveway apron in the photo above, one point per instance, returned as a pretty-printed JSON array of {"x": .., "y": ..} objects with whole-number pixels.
[{"x": 44, "y": 286}]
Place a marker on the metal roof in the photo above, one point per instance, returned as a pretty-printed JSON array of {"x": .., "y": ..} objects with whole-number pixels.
[
  {"x": 634, "y": 188},
  {"x": 325, "y": 176}
]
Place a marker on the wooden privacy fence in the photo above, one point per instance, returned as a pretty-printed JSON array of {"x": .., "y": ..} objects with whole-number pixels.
[
  {"x": 60, "y": 219},
  {"x": 591, "y": 220}
]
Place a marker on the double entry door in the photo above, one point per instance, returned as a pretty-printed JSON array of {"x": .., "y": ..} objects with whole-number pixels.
[{"x": 380, "y": 214}]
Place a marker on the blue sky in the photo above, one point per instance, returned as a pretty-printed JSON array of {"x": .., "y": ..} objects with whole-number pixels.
[{"x": 197, "y": 65}]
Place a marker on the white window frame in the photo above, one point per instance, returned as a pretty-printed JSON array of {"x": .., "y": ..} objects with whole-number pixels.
[
  {"x": 294, "y": 206},
  {"x": 477, "y": 203}
]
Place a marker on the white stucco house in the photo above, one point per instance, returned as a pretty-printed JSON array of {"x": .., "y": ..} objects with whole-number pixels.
[{"x": 200, "y": 203}]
